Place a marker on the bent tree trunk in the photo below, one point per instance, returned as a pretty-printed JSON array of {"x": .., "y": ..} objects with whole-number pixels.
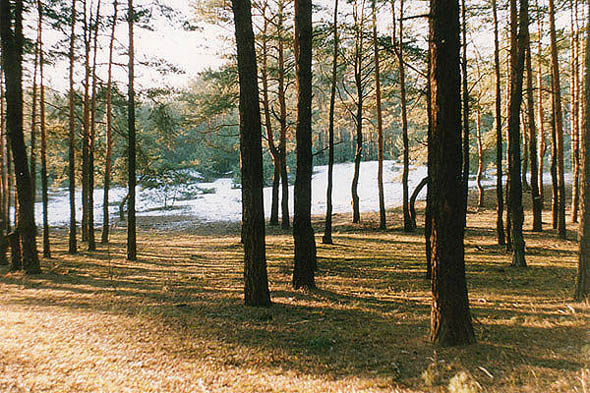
[
  {"x": 450, "y": 317},
  {"x": 417, "y": 190},
  {"x": 256, "y": 292}
]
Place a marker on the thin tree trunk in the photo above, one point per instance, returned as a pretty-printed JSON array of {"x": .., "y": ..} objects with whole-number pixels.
[
  {"x": 575, "y": 132},
  {"x": 413, "y": 197},
  {"x": 91, "y": 237},
  {"x": 72, "y": 248},
  {"x": 536, "y": 198},
  {"x": 403, "y": 102},
  {"x": 86, "y": 121},
  {"x": 256, "y": 292},
  {"x": 327, "y": 238},
  {"x": 499, "y": 194},
  {"x": 517, "y": 45},
  {"x": 44, "y": 179},
  {"x": 583, "y": 278},
  {"x": 283, "y": 122},
  {"x": 34, "y": 98},
  {"x": 131, "y": 224},
  {"x": 428, "y": 216},
  {"x": 109, "y": 137},
  {"x": 465, "y": 108},
  {"x": 480, "y": 190},
  {"x": 556, "y": 89},
  {"x": 358, "y": 117},
  {"x": 450, "y": 316},
  {"x": 382, "y": 216},
  {"x": 525, "y": 153},
  {"x": 274, "y": 211},
  {"x": 305, "y": 262},
  {"x": 12, "y": 57},
  {"x": 542, "y": 145}
]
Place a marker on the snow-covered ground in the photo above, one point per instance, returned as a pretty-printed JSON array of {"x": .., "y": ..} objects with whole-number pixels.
[{"x": 224, "y": 204}]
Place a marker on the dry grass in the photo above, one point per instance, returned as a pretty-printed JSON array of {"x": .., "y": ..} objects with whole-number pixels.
[{"x": 174, "y": 321}]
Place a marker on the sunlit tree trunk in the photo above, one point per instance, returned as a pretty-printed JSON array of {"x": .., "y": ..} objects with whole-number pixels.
[
  {"x": 327, "y": 238},
  {"x": 382, "y": 216},
  {"x": 131, "y": 222},
  {"x": 498, "y": 118},
  {"x": 575, "y": 132},
  {"x": 43, "y": 128},
  {"x": 34, "y": 114},
  {"x": 465, "y": 107},
  {"x": 256, "y": 292},
  {"x": 4, "y": 219},
  {"x": 536, "y": 198},
  {"x": 358, "y": 117},
  {"x": 403, "y": 102},
  {"x": 583, "y": 279},
  {"x": 541, "y": 122},
  {"x": 450, "y": 317},
  {"x": 558, "y": 119},
  {"x": 109, "y": 130},
  {"x": 12, "y": 40},
  {"x": 305, "y": 262}
]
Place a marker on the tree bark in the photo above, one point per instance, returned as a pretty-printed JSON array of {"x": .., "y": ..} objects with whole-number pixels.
[
  {"x": 131, "y": 222},
  {"x": 428, "y": 218},
  {"x": 43, "y": 128},
  {"x": 73, "y": 247},
  {"x": 92, "y": 137},
  {"x": 256, "y": 292},
  {"x": 413, "y": 197},
  {"x": 542, "y": 146},
  {"x": 558, "y": 114},
  {"x": 86, "y": 121},
  {"x": 536, "y": 198},
  {"x": 499, "y": 194},
  {"x": 583, "y": 279},
  {"x": 465, "y": 107},
  {"x": 517, "y": 55},
  {"x": 382, "y": 215},
  {"x": 403, "y": 102},
  {"x": 359, "y": 21},
  {"x": 575, "y": 132},
  {"x": 109, "y": 136},
  {"x": 12, "y": 56},
  {"x": 283, "y": 122},
  {"x": 450, "y": 317},
  {"x": 4, "y": 218},
  {"x": 305, "y": 262},
  {"x": 327, "y": 238}
]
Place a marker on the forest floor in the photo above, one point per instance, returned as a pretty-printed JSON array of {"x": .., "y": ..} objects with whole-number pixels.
[{"x": 174, "y": 321}]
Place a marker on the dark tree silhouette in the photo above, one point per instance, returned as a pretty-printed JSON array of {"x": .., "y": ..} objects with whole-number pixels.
[
  {"x": 450, "y": 318},
  {"x": 305, "y": 248},
  {"x": 131, "y": 222},
  {"x": 11, "y": 35}
]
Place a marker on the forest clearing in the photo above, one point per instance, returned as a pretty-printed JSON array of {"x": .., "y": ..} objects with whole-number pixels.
[{"x": 174, "y": 320}]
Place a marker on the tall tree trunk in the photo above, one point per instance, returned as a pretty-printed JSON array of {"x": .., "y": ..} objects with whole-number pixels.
[
  {"x": 542, "y": 145},
  {"x": 256, "y": 292},
  {"x": 358, "y": 117},
  {"x": 499, "y": 194},
  {"x": 556, "y": 89},
  {"x": 4, "y": 218},
  {"x": 583, "y": 279},
  {"x": 465, "y": 90},
  {"x": 274, "y": 210},
  {"x": 480, "y": 189},
  {"x": 536, "y": 198},
  {"x": 12, "y": 57},
  {"x": 92, "y": 136},
  {"x": 44, "y": 179},
  {"x": 525, "y": 152},
  {"x": 508, "y": 141},
  {"x": 131, "y": 224},
  {"x": 428, "y": 217},
  {"x": 575, "y": 132},
  {"x": 73, "y": 247},
  {"x": 86, "y": 121},
  {"x": 34, "y": 124},
  {"x": 283, "y": 122},
  {"x": 109, "y": 137},
  {"x": 327, "y": 238},
  {"x": 403, "y": 102},
  {"x": 305, "y": 262},
  {"x": 517, "y": 55},
  {"x": 382, "y": 216},
  {"x": 450, "y": 317}
]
